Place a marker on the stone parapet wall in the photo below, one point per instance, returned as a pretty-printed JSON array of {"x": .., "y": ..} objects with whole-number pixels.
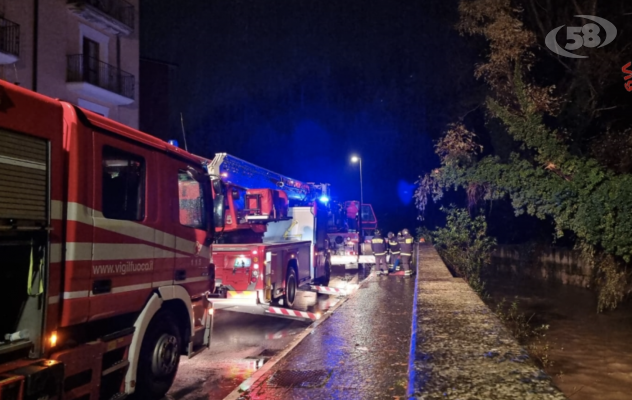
[{"x": 462, "y": 349}]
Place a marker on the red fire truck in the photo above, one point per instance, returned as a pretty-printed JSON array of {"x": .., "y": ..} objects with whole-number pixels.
[
  {"x": 344, "y": 241},
  {"x": 105, "y": 237},
  {"x": 271, "y": 232}
]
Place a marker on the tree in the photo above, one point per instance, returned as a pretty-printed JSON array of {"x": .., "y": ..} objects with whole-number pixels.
[{"x": 553, "y": 167}]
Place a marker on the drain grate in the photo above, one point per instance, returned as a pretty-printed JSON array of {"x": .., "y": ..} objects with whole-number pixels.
[{"x": 301, "y": 379}]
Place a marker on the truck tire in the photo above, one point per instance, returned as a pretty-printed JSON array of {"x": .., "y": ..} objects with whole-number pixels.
[
  {"x": 159, "y": 357},
  {"x": 291, "y": 285},
  {"x": 324, "y": 281}
]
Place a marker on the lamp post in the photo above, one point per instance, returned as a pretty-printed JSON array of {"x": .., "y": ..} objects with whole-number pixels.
[
  {"x": 359, "y": 160},
  {"x": 356, "y": 159}
]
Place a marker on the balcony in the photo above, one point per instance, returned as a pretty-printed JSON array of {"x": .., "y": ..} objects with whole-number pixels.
[
  {"x": 114, "y": 16},
  {"x": 9, "y": 41},
  {"x": 88, "y": 76}
]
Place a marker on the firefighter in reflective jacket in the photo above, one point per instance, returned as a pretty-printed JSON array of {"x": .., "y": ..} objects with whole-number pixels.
[
  {"x": 393, "y": 247},
  {"x": 378, "y": 245},
  {"x": 406, "y": 246},
  {"x": 398, "y": 263}
]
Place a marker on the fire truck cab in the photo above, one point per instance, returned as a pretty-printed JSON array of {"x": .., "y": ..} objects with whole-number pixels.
[
  {"x": 345, "y": 242},
  {"x": 105, "y": 237}
]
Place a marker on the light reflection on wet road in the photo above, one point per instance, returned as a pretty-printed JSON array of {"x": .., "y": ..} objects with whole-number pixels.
[{"x": 242, "y": 343}]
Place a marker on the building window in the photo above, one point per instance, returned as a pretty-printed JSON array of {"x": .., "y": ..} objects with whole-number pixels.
[
  {"x": 191, "y": 201},
  {"x": 91, "y": 61},
  {"x": 100, "y": 51},
  {"x": 123, "y": 185}
]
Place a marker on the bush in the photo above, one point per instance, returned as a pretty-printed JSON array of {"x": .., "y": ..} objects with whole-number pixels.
[{"x": 464, "y": 245}]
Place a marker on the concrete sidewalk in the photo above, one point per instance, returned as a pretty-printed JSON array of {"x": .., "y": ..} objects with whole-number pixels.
[{"x": 428, "y": 336}]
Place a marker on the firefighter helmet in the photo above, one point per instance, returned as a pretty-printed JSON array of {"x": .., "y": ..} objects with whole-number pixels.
[
  {"x": 399, "y": 233},
  {"x": 378, "y": 233},
  {"x": 391, "y": 235},
  {"x": 405, "y": 232}
]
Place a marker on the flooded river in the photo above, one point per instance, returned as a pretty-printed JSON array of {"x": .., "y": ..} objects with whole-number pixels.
[{"x": 591, "y": 353}]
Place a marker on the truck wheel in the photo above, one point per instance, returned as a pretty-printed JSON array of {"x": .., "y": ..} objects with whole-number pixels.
[
  {"x": 159, "y": 357},
  {"x": 291, "y": 285}
]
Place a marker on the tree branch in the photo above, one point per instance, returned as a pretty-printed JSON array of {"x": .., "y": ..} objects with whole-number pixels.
[
  {"x": 537, "y": 17},
  {"x": 579, "y": 11},
  {"x": 466, "y": 114}
]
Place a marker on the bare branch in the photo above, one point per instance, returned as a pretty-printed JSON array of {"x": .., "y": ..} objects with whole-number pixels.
[
  {"x": 461, "y": 118},
  {"x": 606, "y": 108},
  {"x": 537, "y": 18},
  {"x": 579, "y": 11}
]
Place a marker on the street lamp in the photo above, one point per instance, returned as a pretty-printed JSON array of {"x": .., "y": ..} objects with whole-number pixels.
[{"x": 356, "y": 159}]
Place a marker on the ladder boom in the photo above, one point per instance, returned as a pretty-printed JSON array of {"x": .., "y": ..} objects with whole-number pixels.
[{"x": 241, "y": 173}]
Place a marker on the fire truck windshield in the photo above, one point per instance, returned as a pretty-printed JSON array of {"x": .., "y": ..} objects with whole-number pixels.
[{"x": 367, "y": 213}]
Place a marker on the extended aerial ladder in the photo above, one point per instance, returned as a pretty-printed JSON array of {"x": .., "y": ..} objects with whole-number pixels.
[
  {"x": 242, "y": 173},
  {"x": 257, "y": 212}
]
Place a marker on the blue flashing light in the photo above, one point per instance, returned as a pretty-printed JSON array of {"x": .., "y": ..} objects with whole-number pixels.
[
  {"x": 324, "y": 199},
  {"x": 174, "y": 143}
]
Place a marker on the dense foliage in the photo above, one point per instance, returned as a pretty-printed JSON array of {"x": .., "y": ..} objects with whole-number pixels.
[
  {"x": 547, "y": 166},
  {"x": 464, "y": 245}
]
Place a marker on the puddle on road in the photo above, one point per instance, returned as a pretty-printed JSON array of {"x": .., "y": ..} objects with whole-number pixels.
[{"x": 218, "y": 380}]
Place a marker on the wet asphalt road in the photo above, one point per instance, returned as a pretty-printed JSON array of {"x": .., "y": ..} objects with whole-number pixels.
[
  {"x": 242, "y": 343},
  {"x": 360, "y": 352}
]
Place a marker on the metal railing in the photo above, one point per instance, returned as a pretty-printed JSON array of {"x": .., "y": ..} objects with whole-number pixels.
[
  {"x": 120, "y": 10},
  {"x": 9, "y": 37},
  {"x": 82, "y": 68}
]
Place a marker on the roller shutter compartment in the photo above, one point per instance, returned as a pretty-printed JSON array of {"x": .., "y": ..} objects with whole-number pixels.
[{"x": 23, "y": 177}]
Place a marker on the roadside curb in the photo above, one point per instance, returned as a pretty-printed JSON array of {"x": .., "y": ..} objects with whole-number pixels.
[{"x": 248, "y": 383}]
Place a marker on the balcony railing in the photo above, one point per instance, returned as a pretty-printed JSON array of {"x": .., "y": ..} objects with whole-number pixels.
[
  {"x": 82, "y": 68},
  {"x": 9, "y": 37},
  {"x": 120, "y": 10}
]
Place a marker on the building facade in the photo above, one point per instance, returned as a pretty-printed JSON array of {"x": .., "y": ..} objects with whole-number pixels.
[{"x": 85, "y": 52}]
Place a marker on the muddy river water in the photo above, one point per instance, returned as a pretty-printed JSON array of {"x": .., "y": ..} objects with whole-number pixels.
[{"x": 591, "y": 353}]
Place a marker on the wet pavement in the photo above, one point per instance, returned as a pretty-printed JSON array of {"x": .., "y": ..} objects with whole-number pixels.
[
  {"x": 243, "y": 343},
  {"x": 360, "y": 352},
  {"x": 425, "y": 337}
]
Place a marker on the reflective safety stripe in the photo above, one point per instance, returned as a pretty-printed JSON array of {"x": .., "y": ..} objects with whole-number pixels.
[
  {"x": 406, "y": 254},
  {"x": 380, "y": 254},
  {"x": 409, "y": 240},
  {"x": 38, "y": 275},
  {"x": 377, "y": 240},
  {"x": 394, "y": 252}
]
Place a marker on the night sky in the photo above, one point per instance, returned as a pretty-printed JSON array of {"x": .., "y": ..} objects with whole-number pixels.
[{"x": 299, "y": 86}]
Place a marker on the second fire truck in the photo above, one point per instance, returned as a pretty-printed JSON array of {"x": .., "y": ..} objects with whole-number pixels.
[{"x": 271, "y": 230}]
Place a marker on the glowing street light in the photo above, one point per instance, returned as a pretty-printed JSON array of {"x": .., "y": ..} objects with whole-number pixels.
[{"x": 356, "y": 159}]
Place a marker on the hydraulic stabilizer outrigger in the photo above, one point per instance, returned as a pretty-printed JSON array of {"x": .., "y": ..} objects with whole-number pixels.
[{"x": 250, "y": 303}]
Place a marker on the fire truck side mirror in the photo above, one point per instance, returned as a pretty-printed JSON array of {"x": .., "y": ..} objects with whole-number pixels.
[
  {"x": 218, "y": 210},
  {"x": 218, "y": 203},
  {"x": 218, "y": 188}
]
